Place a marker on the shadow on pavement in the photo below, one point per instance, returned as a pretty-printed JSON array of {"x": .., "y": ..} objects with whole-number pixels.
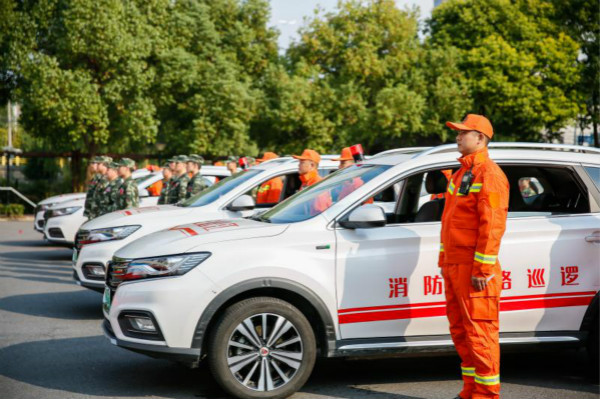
[
  {"x": 112, "y": 371},
  {"x": 49, "y": 256},
  {"x": 72, "y": 305},
  {"x": 106, "y": 371},
  {"x": 29, "y": 243}
]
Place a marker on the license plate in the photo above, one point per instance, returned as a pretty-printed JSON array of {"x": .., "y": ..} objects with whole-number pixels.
[
  {"x": 106, "y": 300},
  {"x": 74, "y": 258}
]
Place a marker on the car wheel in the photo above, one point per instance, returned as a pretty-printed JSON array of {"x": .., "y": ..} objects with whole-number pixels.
[
  {"x": 262, "y": 348},
  {"x": 593, "y": 347}
]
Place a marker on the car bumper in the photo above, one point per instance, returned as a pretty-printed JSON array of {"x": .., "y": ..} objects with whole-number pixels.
[
  {"x": 190, "y": 356},
  {"x": 62, "y": 229},
  {"x": 174, "y": 303},
  {"x": 94, "y": 255},
  {"x": 38, "y": 222}
]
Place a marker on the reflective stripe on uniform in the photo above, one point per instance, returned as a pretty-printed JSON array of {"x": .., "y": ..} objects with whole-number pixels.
[
  {"x": 487, "y": 379},
  {"x": 476, "y": 187},
  {"x": 468, "y": 371},
  {"x": 441, "y": 247},
  {"x": 451, "y": 187},
  {"x": 484, "y": 258}
]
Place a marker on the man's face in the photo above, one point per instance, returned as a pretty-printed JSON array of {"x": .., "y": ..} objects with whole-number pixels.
[
  {"x": 345, "y": 164},
  {"x": 469, "y": 141},
  {"x": 101, "y": 168},
  {"x": 94, "y": 167},
  {"x": 232, "y": 167},
  {"x": 192, "y": 167},
  {"x": 181, "y": 167},
  {"x": 306, "y": 166},
  {"x": 167, "y": 173},
  {"x": 123, "y": 171},
  {"x": 173, "y": 166},
  {"x": 111, "y": 174}
]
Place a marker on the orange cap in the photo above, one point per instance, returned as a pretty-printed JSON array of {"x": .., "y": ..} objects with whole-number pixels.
[
  {"x": 310, "y": 155},
  {"x": 267, "y": 156},
  {"x": 474, "y": 122},
  {"x": 346, "y": 155}
]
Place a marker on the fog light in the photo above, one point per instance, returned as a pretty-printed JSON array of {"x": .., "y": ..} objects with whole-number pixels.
[
  {"x": 142, "y": 324},
  {"x": 96, "y": 270}
]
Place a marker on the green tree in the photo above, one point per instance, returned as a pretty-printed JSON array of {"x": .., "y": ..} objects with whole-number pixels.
[
  {"x": 361, "y": 75},
  {"x": 113, "y": 75},
  {"x": 522, "y": 70},
  {"x": 580, "y": 19}
]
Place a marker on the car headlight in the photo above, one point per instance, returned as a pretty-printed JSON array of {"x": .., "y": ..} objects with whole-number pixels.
[
  {"x": 173, "y": 265},
  {"x": 45, "y": 206},
  {"x": 65, "y": 211},
  {"x": 109, "y": 234}
]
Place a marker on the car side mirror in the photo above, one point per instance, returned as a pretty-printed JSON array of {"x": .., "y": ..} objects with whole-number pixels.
[
  {"x": 242, "y": 203},
  {"x": 365, "y": 217}
]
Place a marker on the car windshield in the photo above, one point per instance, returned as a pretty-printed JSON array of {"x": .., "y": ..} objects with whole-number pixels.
[
  {"x": 219, "y": 189},
  {"x": 143, "y": 179},
  {"x": 314, "y": 200}
]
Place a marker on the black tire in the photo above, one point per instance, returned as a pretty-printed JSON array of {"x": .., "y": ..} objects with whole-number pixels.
[
  {"x": 230, "y": 328},
  {"x": 593, "y": 348}
]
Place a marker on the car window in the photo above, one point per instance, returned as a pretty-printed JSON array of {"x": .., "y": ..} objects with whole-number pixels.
[
  {"x": 544, "y": 191},
  {"x": 594, "y": 173},
  {"x": 316, "y": 199},
  {"x": 219, "y": 189}
]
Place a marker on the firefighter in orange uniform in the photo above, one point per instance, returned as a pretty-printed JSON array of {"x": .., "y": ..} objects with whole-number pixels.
[
  {"x": 270, "y": 191},
  {"x": 347, "y": 159},
  {"x": 473, "y": 223},
  {"x": 308, "y": 169}
]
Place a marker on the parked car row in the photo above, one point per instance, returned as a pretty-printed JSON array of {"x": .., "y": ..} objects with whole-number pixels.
[{"x": 261, "y": 291}]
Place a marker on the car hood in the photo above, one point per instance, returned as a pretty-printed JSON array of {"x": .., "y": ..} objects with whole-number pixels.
[
  {"x": 141, "y": 215},
  {"x": 69, "y": 203},
  {"x": 182, "y": 238},
  {"x": 62, "y": 198}
]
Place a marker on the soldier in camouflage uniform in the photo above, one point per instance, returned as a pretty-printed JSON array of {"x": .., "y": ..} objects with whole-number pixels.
[
  {"x": 128, "y": 196},
  {"x": 164, "y": 191},
  {"x": 178, "y": 187},
  {"x": 95, "y": 199},
  {"x": 196, "y": 183},
  {"x": 92, "y": 185},
  {"x": 108, "y": 199}
]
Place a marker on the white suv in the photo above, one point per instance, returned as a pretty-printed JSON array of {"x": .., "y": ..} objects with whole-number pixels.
[
  {"x": 261, "y": 298},
  {"x": 98, "y": 239}
]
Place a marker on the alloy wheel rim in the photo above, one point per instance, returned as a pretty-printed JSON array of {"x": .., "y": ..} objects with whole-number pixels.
[{"x": 264, "y": 352}]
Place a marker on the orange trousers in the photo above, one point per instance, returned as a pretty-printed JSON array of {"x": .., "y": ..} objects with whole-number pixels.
[{"x": 474, "y": 328}]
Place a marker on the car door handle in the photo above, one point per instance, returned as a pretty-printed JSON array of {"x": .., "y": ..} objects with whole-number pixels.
[{"x": 593, "y": 238}]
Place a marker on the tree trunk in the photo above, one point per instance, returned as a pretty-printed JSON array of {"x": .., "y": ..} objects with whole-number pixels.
[{"x": 76, "y": 171}]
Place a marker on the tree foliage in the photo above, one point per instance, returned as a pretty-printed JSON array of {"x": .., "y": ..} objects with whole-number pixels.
[
  {"x": 522, "y": 70},
  {"x": 361, "y": 75}
]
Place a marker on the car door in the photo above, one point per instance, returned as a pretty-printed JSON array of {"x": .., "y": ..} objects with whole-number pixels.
[
  {"x": 549, "y": 264},
  {"x": 388, "y": 281}
]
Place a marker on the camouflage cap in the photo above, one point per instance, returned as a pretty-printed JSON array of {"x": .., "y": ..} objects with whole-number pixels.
[
  {"x": 180, "y": 158},
  {"x": 113, "y": 165},
  {"x": 96, "y": 159},
  {"x": 127, "y": 162},
  {"x": 166, "y": 165},
  {"x": 172, "y": 159},
  {"x": 199, "y": 159},
  {"x": 232, "y": 158},
  {"x": 106, "y": 159},
  {"x": 251, "y": 160}
]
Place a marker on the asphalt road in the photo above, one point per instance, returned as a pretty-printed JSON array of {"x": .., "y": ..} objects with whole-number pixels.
[{"x": 51, "y": 346}]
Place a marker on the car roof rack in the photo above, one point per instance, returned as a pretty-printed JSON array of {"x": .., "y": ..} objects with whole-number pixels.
[
  {"x": 403, "y": 150},
  {"x": 513, "y": 145}
]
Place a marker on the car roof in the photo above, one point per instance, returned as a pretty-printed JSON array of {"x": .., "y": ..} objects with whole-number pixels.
[
  {"x": 273, "y": 163},
  {"x": 498, "y": 151}
]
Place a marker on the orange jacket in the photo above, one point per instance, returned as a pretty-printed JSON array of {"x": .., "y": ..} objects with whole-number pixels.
[
  {"x": 323, "y": 201},
  {"x": 155, "y": 189},
  {"x": 473, "y": 223},
  {"x": 351, "y": 185},
  {"x": 270, "y": 191}
]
